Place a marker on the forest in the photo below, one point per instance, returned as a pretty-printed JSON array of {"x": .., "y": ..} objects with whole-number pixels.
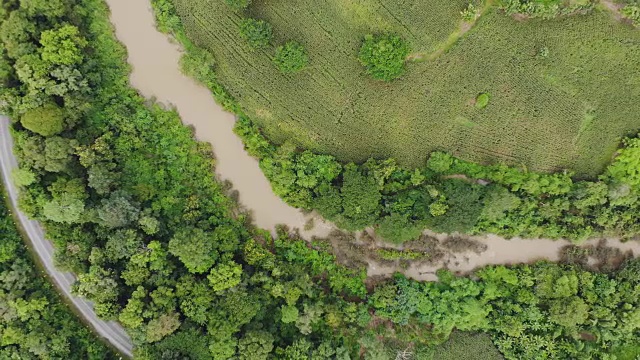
[
  {"x": 36, "y": 323},
  {"x": 127, "y": 195}
]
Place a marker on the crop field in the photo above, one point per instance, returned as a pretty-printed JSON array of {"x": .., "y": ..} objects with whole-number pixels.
[{"x": 562, "y": 92}]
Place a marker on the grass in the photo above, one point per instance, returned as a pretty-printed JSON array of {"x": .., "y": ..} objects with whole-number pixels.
[
  {"x": 467, "y": 346},
  {"x": 563, "y": 91}
]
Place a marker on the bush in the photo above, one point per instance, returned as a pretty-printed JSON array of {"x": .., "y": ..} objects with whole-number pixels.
[
  {"x": 256, "y": 32},
  {"x": 291, "y": 57},
  {"x": 46, "y": 120},
  {"x": 384, "y": 56},
  {"x": 238, "y": 4},
  {"x": 482, "y": 101},
  {"x": 632, "y": 12}
]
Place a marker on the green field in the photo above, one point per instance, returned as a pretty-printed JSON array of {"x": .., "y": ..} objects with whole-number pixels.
[
  {"x": 467, "y": 346},
  {"x": 562, "y": 91}
]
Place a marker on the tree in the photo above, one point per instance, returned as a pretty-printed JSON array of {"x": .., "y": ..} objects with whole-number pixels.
[
  {"x": 360, "y": 199},
  {"x": 162, "y": 326},
  {"x": 383, "y": 56},
  {"x": 122, "y": 244},
  {"x": 48, "y": 8},
  {"x": 46, "y": 120},
  {"x": 194, "y": 248},
  {"x": 58, "y": 153},
  {"x": 291, "y": 57},
  {"x": 257, "y": 32},
  {"x": 117, "y": 211},
  {"x": 65, "y": 209},
  {"x": 255, "y": 345},
  {"x": 398, "y": 228},
  {"x": 225, "y": 276},
  {"x": 289, "y": 314},
  {"x": 569, "y": 312},
  {"x": 62, "y": 46}
]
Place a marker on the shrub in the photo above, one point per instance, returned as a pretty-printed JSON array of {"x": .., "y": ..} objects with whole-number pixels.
[
  {"x": 46, "y": 120},
  {"x": 256, "y": 32},
  {"x": 291, "y": 57},
  {"x": 632, "y": 12},
  {"x": 238, "y": 4},
  {"x": 482, "y": 101},
  {"x": 383, "y": 56}
]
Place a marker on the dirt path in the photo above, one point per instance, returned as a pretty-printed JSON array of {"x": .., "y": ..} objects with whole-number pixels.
[
  {"x": 156, "y": 73},
  {"x": 463, "y": 28},
  {"x": 613, "y": 8}
]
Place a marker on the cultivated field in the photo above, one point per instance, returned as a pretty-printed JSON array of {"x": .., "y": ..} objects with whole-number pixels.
[{"x": 562, "y": 92}]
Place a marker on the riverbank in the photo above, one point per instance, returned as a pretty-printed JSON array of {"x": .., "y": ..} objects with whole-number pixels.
[{"x": 156, "y": 74}]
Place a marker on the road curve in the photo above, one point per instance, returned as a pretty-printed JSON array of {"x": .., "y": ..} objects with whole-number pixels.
[{"x": 110, "y": 330}]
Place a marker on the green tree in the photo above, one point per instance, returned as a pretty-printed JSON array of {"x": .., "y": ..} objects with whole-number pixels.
[
  {"x": 65, "y": 209},
  {"x": 58, "y": 152},
  {"x": 162, "y": 326},
  {"x": 291, "y": 57},
  {"x": 255, "y": 345},
  {"x": 383, "y": 56},
  {"x": 225, "y": 276},
  {"x": 62, "y": 46},
  {"x": 194, "y": 248},
  {"x": 46, "y": 120},
  {"x": 257, "y": 32},
  {"x": 117, "y": 211},
  {"x": 360, "y": 199},
  {"x": 289, "y": 314},
  {"x": 569, "y": 312}
]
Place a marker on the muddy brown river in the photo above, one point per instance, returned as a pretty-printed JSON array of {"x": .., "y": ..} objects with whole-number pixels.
[{"x": 156, "y": 74}]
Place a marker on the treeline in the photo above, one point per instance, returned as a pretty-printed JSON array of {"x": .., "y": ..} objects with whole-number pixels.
[
  {"x": 450, "y": 195},
  {"x": 541, "y": 311},
  {"x": 546, "y": 9},
  {"x": 36, "y": 324}
]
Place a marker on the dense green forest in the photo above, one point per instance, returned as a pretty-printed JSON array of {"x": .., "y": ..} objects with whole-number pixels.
[
  {"x": 127, "y": 195},
  {"x": 35, "y": 323}
]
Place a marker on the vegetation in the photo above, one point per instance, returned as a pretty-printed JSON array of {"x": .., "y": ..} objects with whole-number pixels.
[
  {"x": 384, "y": 56},
  {"x": 546, "y": 8},
  {"x": 448, "y": 194},
  {"x": 257, "y": 32},
  {"x": 482, "y": 101},
  {"x": 126, "y": 194},
  {"x": 546, "y": 112},
  {"x": 632, "y": 12},
  {"x": 238, "y": 4},
  {"x": 36, "y": 324},
  {"x": 291, "y": 57},
  {"x": 467, "y": 346}
]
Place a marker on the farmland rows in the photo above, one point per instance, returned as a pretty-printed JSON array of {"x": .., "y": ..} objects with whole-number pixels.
[{"x": 541, "y": 80}]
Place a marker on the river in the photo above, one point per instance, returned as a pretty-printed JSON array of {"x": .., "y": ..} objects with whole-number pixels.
[{"x": 156, "y": 74}]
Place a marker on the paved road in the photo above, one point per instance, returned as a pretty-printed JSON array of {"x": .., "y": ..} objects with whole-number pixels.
[{"x": 112, "y": 331}]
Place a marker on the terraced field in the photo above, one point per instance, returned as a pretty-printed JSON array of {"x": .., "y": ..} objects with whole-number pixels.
[{"x": 562, "y": 92}]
